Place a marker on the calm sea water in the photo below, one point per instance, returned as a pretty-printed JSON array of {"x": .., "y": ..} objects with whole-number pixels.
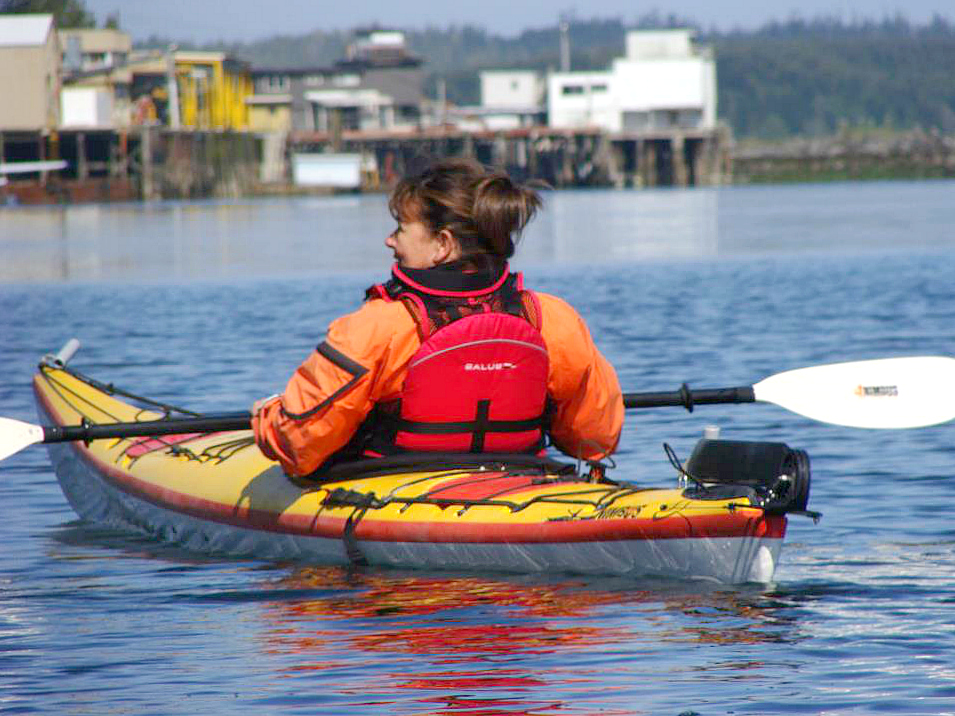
[{"x": 212, "y": 305}]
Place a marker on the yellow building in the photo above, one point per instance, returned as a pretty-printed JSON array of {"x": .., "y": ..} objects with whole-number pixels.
[
  {"x": 209, "y": 92},
  {"x": 213, "y": 88},
  {"x": 270, "y": 113}
]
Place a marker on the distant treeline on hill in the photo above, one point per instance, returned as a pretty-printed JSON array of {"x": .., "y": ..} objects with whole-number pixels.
[{"x": 807, "y": 78}]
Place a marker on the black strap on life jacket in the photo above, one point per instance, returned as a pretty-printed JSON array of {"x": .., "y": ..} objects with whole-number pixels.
[{"x": 479, "y": 427}]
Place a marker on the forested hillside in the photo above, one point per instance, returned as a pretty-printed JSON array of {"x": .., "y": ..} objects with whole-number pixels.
[{"x": 811, "y": 79}]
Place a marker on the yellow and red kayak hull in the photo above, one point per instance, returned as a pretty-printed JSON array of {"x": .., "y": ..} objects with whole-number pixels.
[{"x": 218, "y": 494}]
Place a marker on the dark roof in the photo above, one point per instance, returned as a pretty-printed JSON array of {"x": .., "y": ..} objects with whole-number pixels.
[
  {"x": 364, "y": 64},
  {"x": 300, "y": 71}
]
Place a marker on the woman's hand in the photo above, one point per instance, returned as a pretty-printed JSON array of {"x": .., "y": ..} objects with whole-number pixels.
[{"x": 261, "y": 402}]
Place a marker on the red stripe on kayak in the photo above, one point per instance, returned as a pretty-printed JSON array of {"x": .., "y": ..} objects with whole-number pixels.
[
  {"x": 482, "y": 486},
  {"x": 148, "y": 445}
]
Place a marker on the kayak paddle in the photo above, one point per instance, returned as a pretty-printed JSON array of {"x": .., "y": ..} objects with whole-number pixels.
[
  {"x": 884, "y": 393},
  {"x": 16, "y": 435}
]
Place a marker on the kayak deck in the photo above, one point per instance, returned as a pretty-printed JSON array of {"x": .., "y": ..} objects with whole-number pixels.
[{"x": 217, "y": 493}]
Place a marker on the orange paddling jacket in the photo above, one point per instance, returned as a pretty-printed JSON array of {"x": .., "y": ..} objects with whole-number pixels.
[{"x": 343, "y": 398}]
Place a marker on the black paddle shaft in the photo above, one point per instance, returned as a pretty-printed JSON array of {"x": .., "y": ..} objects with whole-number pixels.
[
  {"x": 172, "y": 426},
  {"x": 686, "y": 398}
]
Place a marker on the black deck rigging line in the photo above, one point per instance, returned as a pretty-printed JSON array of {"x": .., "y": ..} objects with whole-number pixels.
[
  {"x": 479, "y": 478},
  {"x": 344, "y": 497},
  {"x": 218, "y": 453},
  {"x": 111, "y": 389},
  {"x": 233, "y": 444},
  {"x": 62, "y": 391},
  {"x": 438, "y": 462},
  {"x": 677, "y": 464}
]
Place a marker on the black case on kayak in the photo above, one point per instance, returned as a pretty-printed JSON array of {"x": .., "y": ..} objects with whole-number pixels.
[{"x": 777, "y": 474}]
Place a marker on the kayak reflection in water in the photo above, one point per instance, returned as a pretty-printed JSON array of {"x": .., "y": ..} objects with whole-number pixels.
[{"x": 452, "y": 354}]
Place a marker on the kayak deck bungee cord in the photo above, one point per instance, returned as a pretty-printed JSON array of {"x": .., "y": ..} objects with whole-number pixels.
[{"x": 724, "y": 520}]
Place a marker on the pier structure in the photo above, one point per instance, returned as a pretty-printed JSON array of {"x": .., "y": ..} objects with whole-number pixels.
[
  {"x": 66, "y": 166},
  {"x": 578, "y": 157},
  {"x": 142, "y": 162},
  {"x": 154, "y": 162}
]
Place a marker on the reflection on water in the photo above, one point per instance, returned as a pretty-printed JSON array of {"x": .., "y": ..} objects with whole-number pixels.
[
  {"x": 501, "y": 644},
  {"x": 193, "y": 240},
  {"x": 583, "y": 227},
  {"x": 267, "y": 237}
]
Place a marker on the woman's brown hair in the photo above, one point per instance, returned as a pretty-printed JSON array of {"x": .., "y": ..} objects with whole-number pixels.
[{"x": 484, "y": 209}]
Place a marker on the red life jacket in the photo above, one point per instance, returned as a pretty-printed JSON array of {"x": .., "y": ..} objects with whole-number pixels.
[{"x": 478, "y": 382}]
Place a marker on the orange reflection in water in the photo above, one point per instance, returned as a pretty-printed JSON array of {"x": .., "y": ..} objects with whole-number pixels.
[
  {"x": 386, "y": 594},
  {"x": 454, "y": 644}
]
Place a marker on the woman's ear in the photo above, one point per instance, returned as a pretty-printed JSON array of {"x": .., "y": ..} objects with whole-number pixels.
[{"x": 447, "y": 248}]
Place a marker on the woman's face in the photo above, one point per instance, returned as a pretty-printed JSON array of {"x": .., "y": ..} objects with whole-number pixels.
[{"x": 416, "y": 246}]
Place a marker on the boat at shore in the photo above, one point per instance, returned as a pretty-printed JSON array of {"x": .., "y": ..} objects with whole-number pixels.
[{"x": 724, "y": 519}]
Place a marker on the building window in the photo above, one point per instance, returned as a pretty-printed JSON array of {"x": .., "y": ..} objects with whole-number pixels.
[
  {"x": 572, "y": 89},
  {"x": 278, "y": 82},
  {"x": 598, "y": 88},
  {"x": 635, "y": 121}
]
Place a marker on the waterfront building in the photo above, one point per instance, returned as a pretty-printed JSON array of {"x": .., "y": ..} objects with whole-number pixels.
[
  {"x": 522, "y": 90},
  {"x": 383, "y": 64},
  {"x": 379, "y": 85},
  {"x": 509, "y": 99},
  {"x": 96, "y": 79},
  {"x": 88, "y": 49},
  {"x": 213, "y": 87},
  {"x": 277, "y": 102},
  {"x": 664, "y": 82},
  {"x": 191, "y": 89},
  {"x": 30, "y": 73}
]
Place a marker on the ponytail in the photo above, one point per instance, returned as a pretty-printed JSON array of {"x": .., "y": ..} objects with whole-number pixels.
[
  {"x": 501, "y": 211},
  {"x": 486, "y": 211}
]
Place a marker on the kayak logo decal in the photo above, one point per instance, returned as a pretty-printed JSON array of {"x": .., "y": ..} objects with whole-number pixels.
[
  {"x": 877, "y": 391},
  {"x": 626, "y": 512},
  {"x": 505, "y": 365}
]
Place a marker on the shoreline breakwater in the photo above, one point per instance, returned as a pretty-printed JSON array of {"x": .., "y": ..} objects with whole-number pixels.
[
  {"x": 153, "y": 163},
  {"x": 849, "y": 155}
]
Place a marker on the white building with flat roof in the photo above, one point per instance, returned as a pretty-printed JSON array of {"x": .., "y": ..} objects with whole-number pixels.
[
  {"x": 512, "y": 89},
  {"x": 509, "y": 99},
  {"x": 664, "y": 82}
]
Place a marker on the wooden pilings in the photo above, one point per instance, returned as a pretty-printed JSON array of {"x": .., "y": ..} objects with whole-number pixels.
[
  {"x": 181, "y": 164},
  {"x": 153, "y": 162},
  {"x": 562, "y": 158}
]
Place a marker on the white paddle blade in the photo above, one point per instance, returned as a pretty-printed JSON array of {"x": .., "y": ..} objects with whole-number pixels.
[
  {"x": 885, "y": 393},
  {"x": 16, "y": 435}
]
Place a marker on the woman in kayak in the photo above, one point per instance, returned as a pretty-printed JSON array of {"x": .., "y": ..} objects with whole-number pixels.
[{"x": 452, "y": 354}]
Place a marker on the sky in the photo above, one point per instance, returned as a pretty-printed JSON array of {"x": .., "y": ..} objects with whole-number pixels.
[{"x": 245, "y": 20}]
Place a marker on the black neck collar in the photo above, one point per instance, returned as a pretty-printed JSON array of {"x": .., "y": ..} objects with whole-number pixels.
[{"x": 458, "y": 277}]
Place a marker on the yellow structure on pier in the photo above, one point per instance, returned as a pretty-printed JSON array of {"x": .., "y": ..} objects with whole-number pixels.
[
  {"x": 213, "y": 88},
  {"x": 195, "y": 90}
]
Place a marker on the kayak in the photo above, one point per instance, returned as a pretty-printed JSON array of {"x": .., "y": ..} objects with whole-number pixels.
[{"x": 724, "y": 519}]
